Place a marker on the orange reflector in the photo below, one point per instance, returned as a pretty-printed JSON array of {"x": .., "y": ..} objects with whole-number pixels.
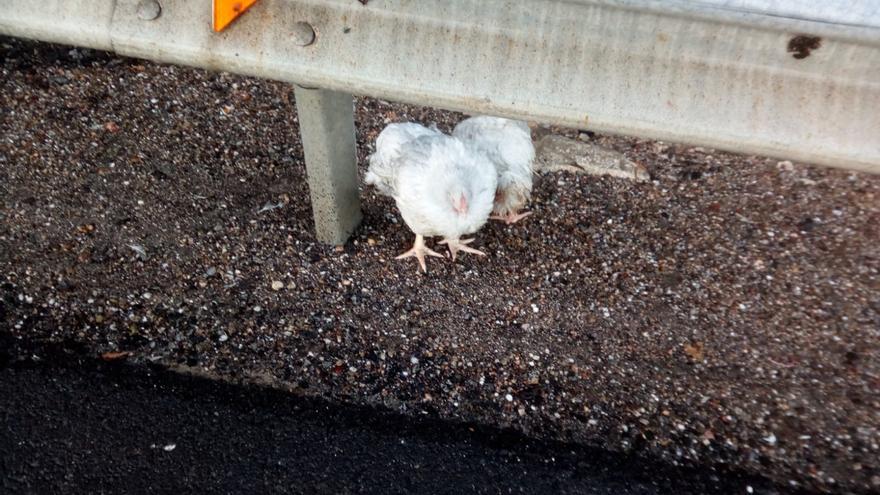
[{"x": 226, "y": 11}]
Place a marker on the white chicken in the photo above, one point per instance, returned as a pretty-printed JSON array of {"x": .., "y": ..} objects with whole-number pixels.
[
  {"x": 441, "y": 187},
  {"x": 508, "y": 145}
]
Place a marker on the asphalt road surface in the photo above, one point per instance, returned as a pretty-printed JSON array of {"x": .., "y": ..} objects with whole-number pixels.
[{"x": 80, "y": 425}]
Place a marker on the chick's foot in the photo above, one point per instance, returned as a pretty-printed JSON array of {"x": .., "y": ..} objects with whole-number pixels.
[
  {"x": 456, "y": 245},
  {"x": 419, "y": 250},
  {"x": 511, "y": 217}
]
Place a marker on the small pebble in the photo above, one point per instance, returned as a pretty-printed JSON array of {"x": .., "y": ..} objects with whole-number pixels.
[
  {"x": 785, "y": 166},
  {"x": 277, "y": 285}
]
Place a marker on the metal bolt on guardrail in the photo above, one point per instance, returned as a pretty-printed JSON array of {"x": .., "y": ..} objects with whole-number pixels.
[
  {"x": 148, "y": 10},
  {"x": 303, "y": 34}
]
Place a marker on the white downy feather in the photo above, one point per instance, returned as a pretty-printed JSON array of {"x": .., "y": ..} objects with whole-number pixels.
[
  {"x": 383, "y": 169},
  {"x": 426, "y": 174},
  {"x": 508, "y": 145}
]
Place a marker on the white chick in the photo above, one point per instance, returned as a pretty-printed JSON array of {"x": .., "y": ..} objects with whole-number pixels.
[
  {"x": 441, "y": 187},
  {"x": 508, "y": 145}
]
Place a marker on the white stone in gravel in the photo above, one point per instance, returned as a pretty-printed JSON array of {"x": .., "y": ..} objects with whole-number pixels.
[
  {"x": 771, "y": 439},
  {"x": 414, "y": 360},
  {"x": 277, "y": 285},
  {"x": 508, "y": 398},
  {"x": 139, "y": 251},
  {"x": 169, "y": 447},
  {"x": 785, "y": 166}
]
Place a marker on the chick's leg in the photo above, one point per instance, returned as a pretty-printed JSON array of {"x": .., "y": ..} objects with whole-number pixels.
[
  {"x": 419, "y": 250},
  {"x": 456, "y": 245},
  {"x": 511, "y": 217}
]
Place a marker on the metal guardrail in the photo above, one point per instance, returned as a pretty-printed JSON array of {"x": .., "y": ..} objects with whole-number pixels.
[{"x": 772, "y": 77}]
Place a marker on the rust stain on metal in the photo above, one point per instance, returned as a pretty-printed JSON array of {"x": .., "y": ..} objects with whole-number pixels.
[{"x": 802, "y": 45}]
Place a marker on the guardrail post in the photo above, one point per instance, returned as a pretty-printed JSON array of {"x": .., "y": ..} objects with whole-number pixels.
[{"x": 326, "y": 123}]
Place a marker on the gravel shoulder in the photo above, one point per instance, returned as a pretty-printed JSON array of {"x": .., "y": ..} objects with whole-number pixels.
[{"x": 725, "y": 312}]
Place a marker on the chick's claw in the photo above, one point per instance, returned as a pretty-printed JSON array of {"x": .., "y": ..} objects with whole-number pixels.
[
  {"x": 456, "y": 245},
  {"x": 419, "y": 250}
]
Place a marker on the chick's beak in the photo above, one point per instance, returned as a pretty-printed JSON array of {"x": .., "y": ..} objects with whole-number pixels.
[{"x": 462, "y": 206}]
